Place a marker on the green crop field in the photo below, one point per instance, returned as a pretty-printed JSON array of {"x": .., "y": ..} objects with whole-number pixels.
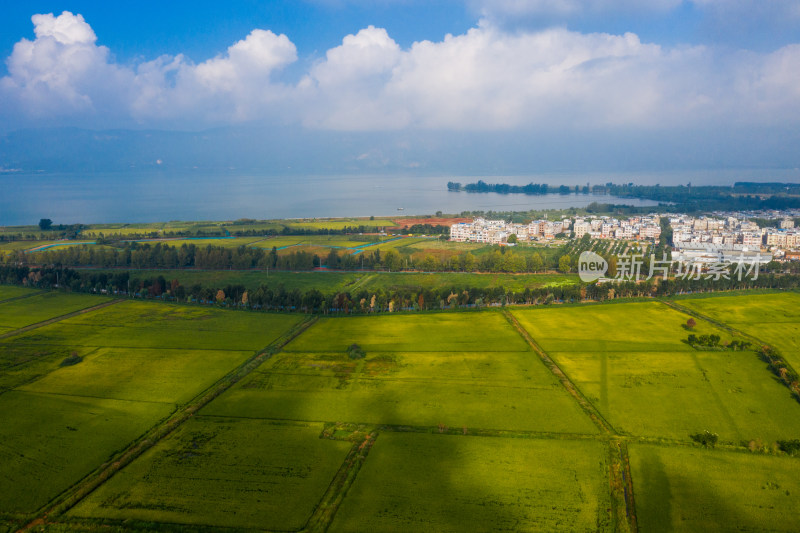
[
  {"x": 174, "y": 376},
  {"x": 12, "y": 246},
  {"x": 338, "y": 223},
  {"x": 51, "y": 441},
  {"x": 226, "y": 242},
  {"x": 414, "y": 482},
  {"x": 135, "y": 324},
  {"x": 226, "y": 472},
  {"x": 630, "y": 361},
  {"x": 137, "y": 362},
  {"x": 17, "y": 314},
  {"x": 256, "y": 226},
  {"x": 690, "y": 489},
  {"x": 12, "y": 291},
  {"x": 420, "y": 370},
  {"x": 335, "y": 281},
  {"x": 772, "y": 318},
  {"x": 446, "y": 421},
  {"x": 325, "y": 281}
]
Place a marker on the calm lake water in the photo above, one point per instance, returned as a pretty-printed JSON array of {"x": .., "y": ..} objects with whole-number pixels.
[{"x": 161, "y": 196}]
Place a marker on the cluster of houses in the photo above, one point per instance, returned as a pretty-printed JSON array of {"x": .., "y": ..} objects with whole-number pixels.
[
  {"x": 720, "y": 238},
  {"x": 634, "y": 228},
  {"x": 737, "y": 233},
  {"x": 498, "y": 231}
]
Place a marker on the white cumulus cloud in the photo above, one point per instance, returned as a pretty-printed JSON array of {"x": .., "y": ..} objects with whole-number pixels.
[{"x": 488, "y": 78}]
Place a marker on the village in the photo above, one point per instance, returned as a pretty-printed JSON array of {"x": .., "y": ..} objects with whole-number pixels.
[{"x": 717, "y": 236}]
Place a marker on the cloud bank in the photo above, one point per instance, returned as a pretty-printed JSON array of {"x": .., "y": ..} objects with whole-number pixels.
[{"x": 486, "y": 79}]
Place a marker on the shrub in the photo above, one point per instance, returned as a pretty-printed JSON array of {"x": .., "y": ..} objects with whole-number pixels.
[
  {"x": 73, "y": 359},
  {"x": 792, "y": 447},
  {"x": 706, "y": 438},
  {"x": 354, "y": 351}
]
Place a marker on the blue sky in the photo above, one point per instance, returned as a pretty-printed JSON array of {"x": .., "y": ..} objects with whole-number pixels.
[{"x": 576, "y": 68}]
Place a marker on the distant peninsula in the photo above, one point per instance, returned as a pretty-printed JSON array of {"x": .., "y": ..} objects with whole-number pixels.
[{"x": 740, "y": 195}]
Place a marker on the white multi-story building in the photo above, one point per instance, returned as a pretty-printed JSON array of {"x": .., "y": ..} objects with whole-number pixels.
[
  {"x": 582, "y": 228},
  {"x": 751, "y": 238}
]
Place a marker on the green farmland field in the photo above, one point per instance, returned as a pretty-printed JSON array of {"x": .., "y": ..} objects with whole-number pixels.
[
  {"x": 772, "y": 318},
  {"x": 435, "y": 332},
  {"x": 135, "y": 324},
  {"x": 338, "y": 223},
  {"x": 17, "y": 314},
  {"x": 137, "y": 362},
  {"x": 415, "y": 482},
  {"x": 551, "y": 418},
  {"x": 690, "y": 489},
  {"x": 225, "y": 472},
  {"x": 51, "y": 441},
  {"x": 174, "y": 376},
  {"x": 420, "y": 370},
  {"x": 334, "y": 281},
  {"x": 630, "y": 361},
  {"x": 230, "y": 242},
  {"x": 11, "y": 291}
]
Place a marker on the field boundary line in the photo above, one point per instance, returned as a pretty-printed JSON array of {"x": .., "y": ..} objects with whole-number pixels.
[
  {"x": 21, "y": 296},
  {"x": 77, "y": 492},
  {"x": 49, "y": 393},
  {"x": 432, "y": 430},
  {"x": 621, "y": 486},
  {"x": 325, "y": 511},
  {"x": 619, "y": 475},
  {"x": 59, "y": 318},
  {"x": 586, "y": 406}
]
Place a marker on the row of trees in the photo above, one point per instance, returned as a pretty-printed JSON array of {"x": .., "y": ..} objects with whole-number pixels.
[
  {"x": 164, "y": 256},
  {"x": 498, "y": 259},
  {"x": 505, "y": 188},
  {"x": 363, "y": 300}
]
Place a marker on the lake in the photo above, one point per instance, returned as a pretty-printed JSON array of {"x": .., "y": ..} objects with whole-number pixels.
[{"x": 200, "y": 195}]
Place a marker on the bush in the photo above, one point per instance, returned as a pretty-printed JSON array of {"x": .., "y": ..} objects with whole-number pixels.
[
  {"x": 354, "y": 351},
  {"x": 73, "y": 359},
  {"x": 792, "y": 447},
  {"x": 706, "y": 438}
]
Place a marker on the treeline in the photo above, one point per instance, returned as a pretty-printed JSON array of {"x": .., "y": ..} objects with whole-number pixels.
[
  {"x": 505, "y": 188},
  {"x": 164, "y": 256},
  {"x": 428, "y": 229},
  {"x": 690, "y": 198},
  {"x": 312, "y": 300},
  {"x": 500, "y": 260},
  {"x": 239, "y": 231},
  {"x": 686, "y": 198},
  {"x": 60, "y": 231}
]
